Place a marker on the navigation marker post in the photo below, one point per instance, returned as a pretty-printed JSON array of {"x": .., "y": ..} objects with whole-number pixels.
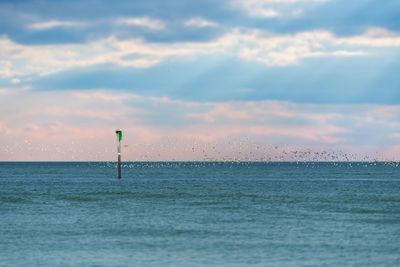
[{"x": 119, "y": 136}]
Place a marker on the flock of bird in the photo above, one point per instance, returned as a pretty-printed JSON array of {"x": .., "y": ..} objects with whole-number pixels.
[{"x": 242, "y": 153}]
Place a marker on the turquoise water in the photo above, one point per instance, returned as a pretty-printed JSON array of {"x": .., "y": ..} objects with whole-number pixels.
[{"x": 266, "y": 214}]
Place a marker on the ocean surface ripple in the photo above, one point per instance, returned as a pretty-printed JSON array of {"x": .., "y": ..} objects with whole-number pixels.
[{"x": 200, "y": 213}]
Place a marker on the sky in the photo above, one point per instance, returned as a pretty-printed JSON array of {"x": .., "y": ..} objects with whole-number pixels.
[{"x": 200, "y": 80}]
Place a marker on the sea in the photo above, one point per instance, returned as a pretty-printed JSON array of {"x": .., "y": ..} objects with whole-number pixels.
[{"x": 200, "y": 214}]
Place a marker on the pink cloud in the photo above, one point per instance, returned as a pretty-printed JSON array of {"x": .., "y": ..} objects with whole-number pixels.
[{"x": 82, "y": 125}]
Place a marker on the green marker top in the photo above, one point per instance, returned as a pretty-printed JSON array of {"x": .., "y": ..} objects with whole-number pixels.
[{"x": 119, "y": 133}]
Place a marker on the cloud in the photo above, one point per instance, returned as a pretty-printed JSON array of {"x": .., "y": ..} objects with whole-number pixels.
[
  {"x": 253, "y": 45},
  {"x": 82, "y": 124},
  {"x": 150, "y": 23},
  {"x": 5, "y": 68},
  {"x": 273, "y": 8},
  {"x": 15, "y": 80},
  {"x": 45, "y": 25},
  {"x": 199, "y": 22},
  {"x": 14, "y": 90},
  {"x": 267, "y": 118},
  {"x": 375, "y": 37},
  {"x": 283, "y": 50},
  {"x": 396, "y": 135},
  {"x": 146, "y": 22}
]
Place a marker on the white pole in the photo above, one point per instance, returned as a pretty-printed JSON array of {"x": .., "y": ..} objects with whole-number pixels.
[{"x": 119, "y": 135}]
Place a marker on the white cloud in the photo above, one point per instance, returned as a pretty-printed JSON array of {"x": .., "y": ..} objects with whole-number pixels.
[
  {"x": 199, "y": 22},
  {"x": 150, "y": 23},
  {"x": 375, "y": 37},
  {"x": 46, "y": 59},
  {"x": 348, "y": 53},
  {"x": 282, "y": 50},
  {"x": 284, "y": 1},
  {"x": 15, "y": 80},
  {"x": 5, "y": 67},
  {"x": 14, "y": 90},
  {"x": 45, "y": 25},
  {"x": 273, "y": 8},
  {"x": 252, "y": 45}
]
